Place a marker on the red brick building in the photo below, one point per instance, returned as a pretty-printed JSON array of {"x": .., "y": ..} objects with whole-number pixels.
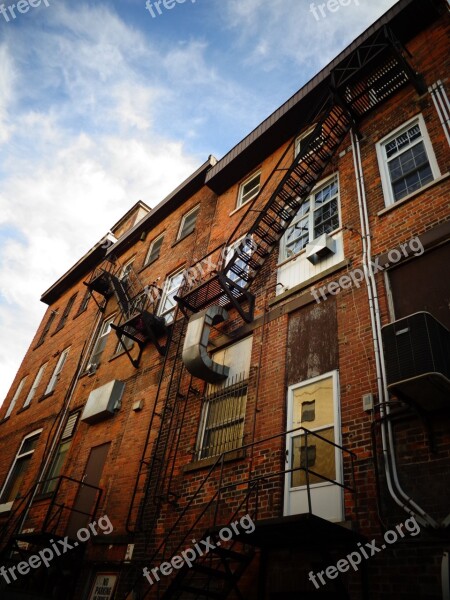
[{"x": 244, "y": 391}]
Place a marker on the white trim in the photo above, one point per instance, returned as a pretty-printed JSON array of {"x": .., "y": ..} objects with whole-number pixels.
[
  {"x": 35, "y": 385},
  {"x": 15, "y": 397},
  {"x": 17, "y": 456},
  {"x": 282, "y": 258},
  {"x": 239, "y": 202},
  {"x": 57, "y": 371},
  {"x": 168, "y": 313},
  {"x": 150, "y": 249},
  {"x": 196, "y": 208},
  {"x": 383, "y": 163}
]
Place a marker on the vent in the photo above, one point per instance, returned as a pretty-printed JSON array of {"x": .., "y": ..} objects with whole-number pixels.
[
  {"x": 103, "y": 402},
  {"x": 417, "y": 357},
  {"x": 70, "y": 426}
]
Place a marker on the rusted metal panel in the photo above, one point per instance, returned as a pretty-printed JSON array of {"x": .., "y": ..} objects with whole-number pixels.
[{"x": 312, "y": 342}]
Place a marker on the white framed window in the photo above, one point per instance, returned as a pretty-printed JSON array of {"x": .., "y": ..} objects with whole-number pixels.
[
  {"x": 246, "y": 248},
  {"x": 318, "y": 214},
  {"x": 303, "y": 139},
  {"x": 57, "y": 372},
  {"x": 188, "y": 222},
  {"x": 100, "y": 342},
  {"x": 154, "y": 250},
  {"x": 406, "y": 160},
  {"x": 15, "y": 397},
  {"x": 126, "y": 270},
  {"x": 249, "y": 189},
  {"x": 66, "y": 312},
  {"x": 17, "y": 472},
  {"x": 168, "y": 302},
  {"x": 61, "y": 454},
  {"x": 223, "y": 414},
  {"x": 35, "y": 385}
]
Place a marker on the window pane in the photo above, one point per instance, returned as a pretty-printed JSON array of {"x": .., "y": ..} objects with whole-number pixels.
[
  {"x": 29, "y": 444},
  {"x": 320, "y": 452},
  {"x": 249, "y": 189},
  {"x": 326, "y": 218},
  {"x": 154, "y": 250},
  {"x": 410, "y": 171},
  {"x": 15, "y": 480},
  {"x": 56, "y": 467},
  {"x": 188, "y": 223}
]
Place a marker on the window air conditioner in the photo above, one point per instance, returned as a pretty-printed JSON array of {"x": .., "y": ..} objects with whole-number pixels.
[{"x": 320, "y": 248}]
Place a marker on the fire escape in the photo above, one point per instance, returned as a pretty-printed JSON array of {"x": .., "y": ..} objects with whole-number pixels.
[
  {"x": 138, "y": 320},
  {"x": 369, "y": 76}
]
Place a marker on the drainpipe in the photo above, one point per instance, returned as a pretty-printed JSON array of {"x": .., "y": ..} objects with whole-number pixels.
[{"x": 388, "y": 446}]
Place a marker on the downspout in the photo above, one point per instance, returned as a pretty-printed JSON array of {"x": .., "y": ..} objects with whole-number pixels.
[{"x": 388, "y": 446}]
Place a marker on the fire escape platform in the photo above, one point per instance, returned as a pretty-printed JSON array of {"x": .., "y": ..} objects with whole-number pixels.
[{"x": 300, "y": 531}]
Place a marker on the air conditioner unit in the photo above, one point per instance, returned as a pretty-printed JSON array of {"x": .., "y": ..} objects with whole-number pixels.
[
  {"x": 417, "y": 358},
  {"x": 320, "y": 248},
  {"x": 103, "y": 402}
]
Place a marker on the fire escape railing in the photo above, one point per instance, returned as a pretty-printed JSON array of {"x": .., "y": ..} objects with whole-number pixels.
[
  {"x": 248, "y": 486},
  {"x": 139, "y": 321}
]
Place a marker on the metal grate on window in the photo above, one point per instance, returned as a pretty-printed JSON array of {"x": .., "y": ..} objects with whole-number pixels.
[{"x": 222, "y": 425}]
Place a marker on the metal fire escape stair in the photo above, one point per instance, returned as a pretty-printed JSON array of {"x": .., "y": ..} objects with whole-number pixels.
[
  {"x": 137, "y": 305},
  {"x": 370, "y": 75}
]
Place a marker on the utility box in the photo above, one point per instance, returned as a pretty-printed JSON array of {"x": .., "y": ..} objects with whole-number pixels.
[
  {"x": 417, "y": 357},
  {"x": 103, "y": 402}
]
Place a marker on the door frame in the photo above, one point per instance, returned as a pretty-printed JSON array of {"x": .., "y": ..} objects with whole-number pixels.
[{"x": 337, "y": 440}]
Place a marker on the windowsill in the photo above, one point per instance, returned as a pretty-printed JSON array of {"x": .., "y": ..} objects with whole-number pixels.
[
  {"x": 79, "y": 313},
  {"x": 238, "y": 208},
  {"x": 149, "y": 264},
  {"x": 205, "y": 463},
  {"x": 305, "y": 284},
  {"x": 45, "y": 396},
  {"x": 182, "y": 238},
  {"x": 413, "y": 194},
  {"x": 5, "y": 419},
  {"x": 56, "y": 331},
  {"x": 24, "y": 408}
]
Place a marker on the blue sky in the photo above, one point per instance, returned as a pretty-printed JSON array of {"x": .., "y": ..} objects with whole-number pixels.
[{"x": 102, "y": 105}]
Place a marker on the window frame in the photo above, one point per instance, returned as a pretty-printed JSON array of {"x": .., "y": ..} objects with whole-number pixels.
[
  {"x": 16, "y": 396},
  {"x": 57, "y": 372},
  {"x": 283, "y": 256},
  {"x": 47, "y": 327},
  {"x": 35, "y": 385},
  {"x": 63, "y": 440},
  {"x": 167, "y": 291},
  {"x": 66, "y": 312},
  {"x": 383, "y": 161},
  {"x": 195, "y": 209},
  {"x": 150, "y": 250},
  {"x": 110, "y": 319},
  {"x": 241, "y": 194},
  {"x": 6, "y": 506},
  {"x": 84, "y": 303}
]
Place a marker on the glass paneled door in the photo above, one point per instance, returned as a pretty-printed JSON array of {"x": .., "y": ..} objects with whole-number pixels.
[{"x": 314, "y": 405}]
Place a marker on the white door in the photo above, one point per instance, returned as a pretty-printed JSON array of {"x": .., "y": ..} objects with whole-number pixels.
[{"x": 314, "y": 405}]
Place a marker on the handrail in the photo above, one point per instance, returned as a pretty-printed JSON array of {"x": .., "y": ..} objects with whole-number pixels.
[{"x": 253, "y": 483}]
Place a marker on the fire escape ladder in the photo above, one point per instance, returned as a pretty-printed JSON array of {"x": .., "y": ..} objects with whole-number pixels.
[{"x": 138, "y": 321}]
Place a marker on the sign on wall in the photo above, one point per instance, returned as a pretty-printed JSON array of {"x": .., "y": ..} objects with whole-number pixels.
[{"x": 103, "y": 587}]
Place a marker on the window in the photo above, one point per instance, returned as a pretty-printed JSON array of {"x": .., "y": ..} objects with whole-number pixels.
[
  {"x": 61, "y": 454},
  {"x": 100, "y": 342},
  {"x": 223, "y": 414},
  {"x": 168, "y": 302},
  {"x": 35, "y": 385},
  {"x": 246, "y": 248},
  {"x": 15, "y": 397},
  {"x": 84, "y": 303},
  {"x": 318, "y": 214},
  {"x": 303, "y": 140},
  {"x": 188, "y": 223},
  {"x": 126, "y": 270},
  {"x": 406, "y": 160},
  {"x": 66, "y": 312},
  {"x": 16, "y": 475},
  {"x": 57, "y": 372},
  {"x": 249, "y": 189},
  {"x": 154, "y": 250},
  {"x": 46, "y": 328}
]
